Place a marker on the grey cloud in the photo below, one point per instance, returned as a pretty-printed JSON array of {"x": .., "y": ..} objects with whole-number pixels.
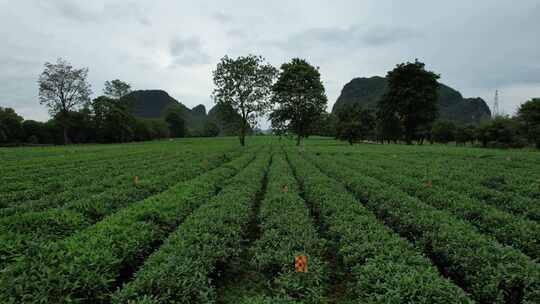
[
  {"x": 187, "y": 52},
  {"x": 506, "y": 75},
  {"x": 354, "y": 36},
  {"x": 474, "y": 46},
  {"x": 95, "y": 11},
  {"x": 237, "y": 33},
  {"x": 223, "y": 18},
  {"x": 75, "y": 10}
]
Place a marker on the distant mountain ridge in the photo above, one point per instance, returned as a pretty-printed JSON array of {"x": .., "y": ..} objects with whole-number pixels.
[
  {"x": 156, "y": 104},
  {"x": 452, "y": 105}
]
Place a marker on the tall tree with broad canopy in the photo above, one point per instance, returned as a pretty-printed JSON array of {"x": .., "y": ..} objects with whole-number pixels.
[
  {"x": 116, "y": 88},
  {"x": 63, "y": 89},
  {"x": 299, "y": 98},
  {"x": 411, "y": 97},
  {"x": 244, "y": 84},
  {"x": 529, "y": 115}
]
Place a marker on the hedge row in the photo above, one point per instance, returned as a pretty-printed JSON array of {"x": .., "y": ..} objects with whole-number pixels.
[
  {"x": 179, "y": 272},
  {"x": 87, "y": 266},
  {"x": 43, "y": 190},
  {"x": 508, "y": 229},
  {"x": 22, "y": 180},
  {"x": 63, "y": 188},
  {"x": 20, "y": 231},
  {"x": 465, "y": 180},
  {"x": 384, "y": 267},
  {"x": 33, "y": 188},
  {"x": 287, "y": 230},
  {"x": 489, "y": 271}
]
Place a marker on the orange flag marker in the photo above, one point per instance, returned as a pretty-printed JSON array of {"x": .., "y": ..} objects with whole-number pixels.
[{"x": 300, "y": 263}]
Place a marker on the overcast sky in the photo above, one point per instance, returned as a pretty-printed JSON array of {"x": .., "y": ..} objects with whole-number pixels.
[{"x": 476, "y": 46}]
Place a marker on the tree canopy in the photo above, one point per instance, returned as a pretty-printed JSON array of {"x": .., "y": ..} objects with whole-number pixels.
[
  {"x": 10, "y": 125},
  {"x": 529, "y": 114},
  {"x": 63, "y": 89},
  {"x": 244, "y": 84},
  {"x": 116, "y": 88},
  {"x": 299, "y": 98},
  {"x": 354, "y": 123},
  {"x": 411, "y": 98}
]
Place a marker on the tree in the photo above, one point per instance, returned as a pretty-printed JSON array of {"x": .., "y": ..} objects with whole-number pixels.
[
  {"x": 244, "y": 84},
  {"x": 210, "y": 129},
  {"x": 10, "y": 126},
  {"x": 411, "y": 97},
  {"x": 299, "y": 97},
  {"x": 116, "y": 89},
  {"x": 35, "y": 129},
  {"x": 500, "y": 132},
  {"x": 63, "y": 89},
  {"x": 177, "y": 125},
  {"x": 80, "y": 126},
  {"x": 388, "y": 126},
  {"x": 465, "y": 134},
  {"x": 443, "y": 131},
  {"x": 354, "y": 123},
  {"x": 113, "y": 120},
  {"x": 326, "y": 125},
  {"x": 529, "y": 115}
]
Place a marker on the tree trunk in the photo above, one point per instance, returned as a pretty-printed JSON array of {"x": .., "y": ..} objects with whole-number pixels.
[
  {"x": 350, "y": 141},
  {"x": 242, "y": 140},
  {"x": 243, "y": 134},
  {"x": 66, "y": 138},
  {"x": 298, "y": 140}
]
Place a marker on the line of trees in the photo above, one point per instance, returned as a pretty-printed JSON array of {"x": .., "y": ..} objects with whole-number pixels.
[
  {"x": 248, "y": 85},
  {"x": 249, "y": 88},
  {"x": 409, "y": 113},
  {"x": 65, "y": 91}
]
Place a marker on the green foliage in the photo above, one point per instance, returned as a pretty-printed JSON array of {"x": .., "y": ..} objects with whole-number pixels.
[
  {"x": 388, "y": 126},
  {"x": 411, "y": 98},
  {"x": 226, "y": 118},
  {"x": 529, "y": 115},
  {"x": 355, "y": 123},
  {"x": 210, "y": 129},
  {"x": 443, "y": 131},
  {"x": 465, "y": 134},
  {"x": 244, "y": 85},
  {"x": 116, "y": 89},
  {"x": 177, "y": 125},
  {"x": 326, "y": 125},
  {"x": 95, "y": 257},
  {"x": 199, "y": 224},
  {"x": 36, "y": 130},
  {"x": 500, "y": 132},
  {"x": 149, "y": 129},
  {"x": 300, "y": 98},
  {"x": 384, "y": 268},
  {"x": 287, "y": 230},
  {"x": 508, "y": 229},
  {"x": 113, "y": 120},
  {"x": 490, "y": 272},
  {"x": 178, "y": 271},
  {"x": 11, "y": 129}
]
